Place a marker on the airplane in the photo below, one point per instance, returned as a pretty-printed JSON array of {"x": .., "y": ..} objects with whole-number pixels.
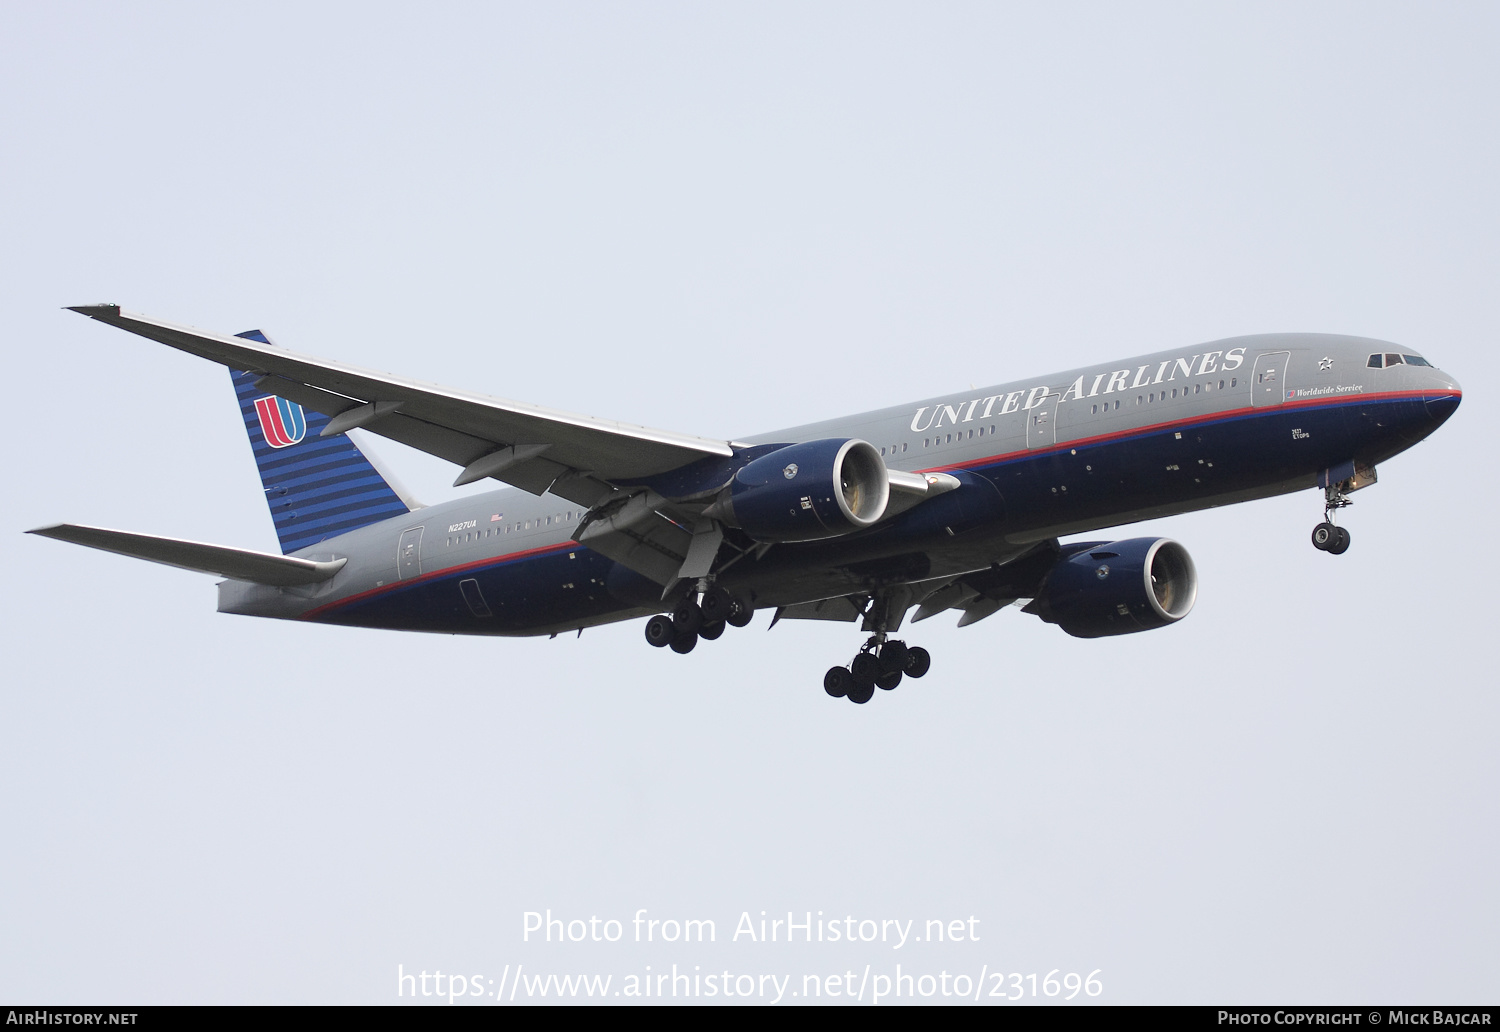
[{"x": 951, "y": 503}]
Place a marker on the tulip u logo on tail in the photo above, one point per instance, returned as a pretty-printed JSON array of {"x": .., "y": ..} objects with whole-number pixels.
[{"x": 281, "y": 421}]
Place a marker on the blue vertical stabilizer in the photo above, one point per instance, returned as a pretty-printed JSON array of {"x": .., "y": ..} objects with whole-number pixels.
[{"x": 316, "y": 486}]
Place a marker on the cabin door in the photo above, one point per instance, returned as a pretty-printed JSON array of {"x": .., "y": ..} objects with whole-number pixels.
[
  {"x": 1041, "y": 423},
  {"x": 1269, "y": 384},
  {"x": 409, "y": 554}
]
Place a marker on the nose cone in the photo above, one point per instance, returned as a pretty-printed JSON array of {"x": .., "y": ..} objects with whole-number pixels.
[{"x": 1441, "y": 397}]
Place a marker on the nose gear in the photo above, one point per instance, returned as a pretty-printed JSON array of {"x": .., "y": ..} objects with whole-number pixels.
[{"x": 1327, "y": 536}]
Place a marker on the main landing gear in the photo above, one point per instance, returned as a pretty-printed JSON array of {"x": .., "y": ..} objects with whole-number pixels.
[
  {"x": 880, "y": 664},
  {"x": 1326, "y": 537},
  {"x": 692, "y": 620}
]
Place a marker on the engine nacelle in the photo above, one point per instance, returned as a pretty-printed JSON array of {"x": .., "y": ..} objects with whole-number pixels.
[
  {"x": 806, "y": 492},
  {"x": 1119, "y": 588}
]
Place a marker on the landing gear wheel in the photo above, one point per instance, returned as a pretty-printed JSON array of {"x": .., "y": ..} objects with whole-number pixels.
[
  {"x": 1340, "y": 542},
  {"x": 660, "y": 631},
  {"x": 716, "y": 605},
  {"x": 711, "y": 631},
  {"x": 861, "y": 693},
  {"x": 687, "y": 617},
  {"x": 838, "y": 682},
  {"x": 740, "y": 613},
  {"x": 683, "y": 643},
  {"x": 865, "y": 668},
  {"x": 918, "y": 662},
  {"x": 1324, "y": 535},
  {"x": 893, "y": 657},
  {"x": 888, "y": 681}
]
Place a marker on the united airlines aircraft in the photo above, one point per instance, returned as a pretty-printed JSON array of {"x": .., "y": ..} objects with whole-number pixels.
[{"x": 951, "y": 503}]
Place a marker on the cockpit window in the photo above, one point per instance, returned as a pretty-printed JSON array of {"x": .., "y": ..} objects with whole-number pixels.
[{"x": 1387, "y": 360}]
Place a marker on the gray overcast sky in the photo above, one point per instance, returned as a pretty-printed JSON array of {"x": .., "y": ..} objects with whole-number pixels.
[{"x": 723, "y": 219}]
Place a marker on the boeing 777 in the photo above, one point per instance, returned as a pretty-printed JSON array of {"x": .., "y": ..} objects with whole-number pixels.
[{"x": 951, "y": 503}]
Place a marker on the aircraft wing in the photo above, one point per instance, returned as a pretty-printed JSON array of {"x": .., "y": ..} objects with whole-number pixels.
[{"x": 534, "y": 448}]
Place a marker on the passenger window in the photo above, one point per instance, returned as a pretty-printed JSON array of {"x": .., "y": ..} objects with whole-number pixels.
[{"x": 1221, "y": 385}]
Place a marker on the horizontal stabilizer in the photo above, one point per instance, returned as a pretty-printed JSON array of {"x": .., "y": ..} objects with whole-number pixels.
[{"x": 281, "y": 571}]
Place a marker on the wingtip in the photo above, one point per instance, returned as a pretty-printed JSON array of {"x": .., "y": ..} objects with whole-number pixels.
[{"x": 95, "y": 311}]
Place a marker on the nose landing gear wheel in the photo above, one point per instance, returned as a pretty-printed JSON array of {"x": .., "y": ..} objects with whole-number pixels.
[
  {"x": 1323, "y": 535},
  {"x": 1328, "y": 538}
]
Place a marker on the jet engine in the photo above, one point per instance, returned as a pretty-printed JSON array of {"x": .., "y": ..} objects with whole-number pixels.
[
  {"x": 1118, "y": 588},
  {"x": 806, "y": 492}
]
